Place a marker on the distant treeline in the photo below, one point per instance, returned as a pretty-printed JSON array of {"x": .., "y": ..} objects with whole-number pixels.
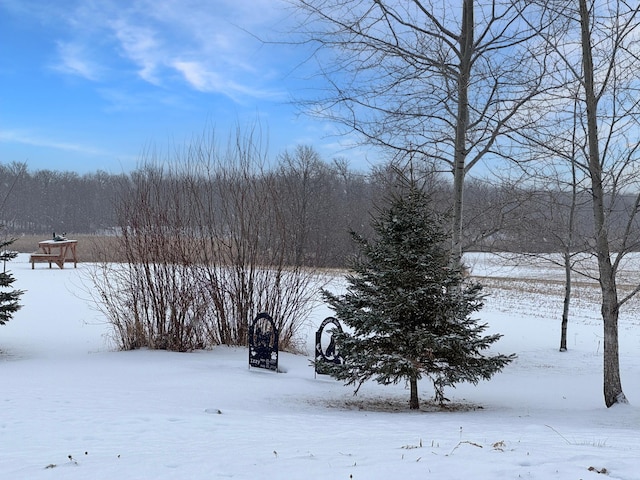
[
  {"x": 44, "y": 201},
  {"x": 320, "y": 202}
]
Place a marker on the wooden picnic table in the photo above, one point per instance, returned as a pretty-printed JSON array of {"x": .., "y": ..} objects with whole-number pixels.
[{"x": 55, "y": 251}]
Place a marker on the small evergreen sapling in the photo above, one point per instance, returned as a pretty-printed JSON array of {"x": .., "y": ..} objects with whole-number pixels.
[
  {"x": 8, "y": 299},
  {"x": 407, "y": 309}
]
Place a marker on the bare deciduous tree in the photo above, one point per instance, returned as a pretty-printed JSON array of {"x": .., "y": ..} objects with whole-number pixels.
[
  {"x": 596, "y": 44},
  {"x": 444, "y": 81},
  {"x": 556, "y": 199}
]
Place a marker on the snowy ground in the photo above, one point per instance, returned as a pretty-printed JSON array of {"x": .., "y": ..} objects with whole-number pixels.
[{"x": 72, "y": 408}]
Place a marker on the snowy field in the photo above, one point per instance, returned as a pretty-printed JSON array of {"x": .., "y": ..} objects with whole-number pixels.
[{"x": 73, "y": 408}]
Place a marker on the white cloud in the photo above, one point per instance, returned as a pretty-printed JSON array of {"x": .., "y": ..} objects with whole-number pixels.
[
  {"x": 203, "y": 79},
  {"x": 206, "y": 42},
  {"x": 140, "y": 45},
  {"x": 195, "y": 74},
  {"x": 177, "y": 46},
  {"x": 73, "y": 60},
  {"x": 28, "y": 138}
]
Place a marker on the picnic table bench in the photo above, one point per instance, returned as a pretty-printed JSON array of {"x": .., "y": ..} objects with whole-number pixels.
[{"x": 55, "y": 251}]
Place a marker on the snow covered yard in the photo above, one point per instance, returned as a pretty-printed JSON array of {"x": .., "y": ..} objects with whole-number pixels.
[{"x": 72, "y": 408}]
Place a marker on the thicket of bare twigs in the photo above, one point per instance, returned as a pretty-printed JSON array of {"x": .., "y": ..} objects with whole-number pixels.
[{"x": 206, "y": 247}]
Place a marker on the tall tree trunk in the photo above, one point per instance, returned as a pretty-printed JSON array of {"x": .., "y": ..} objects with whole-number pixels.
[
  {"x": 612, "y": 385},
  {"x": 570, "y": 241},
  {"x": 567, "y": 301},
  {"x": 462, "y": 124},
  {"x": 414, "y": 402}
]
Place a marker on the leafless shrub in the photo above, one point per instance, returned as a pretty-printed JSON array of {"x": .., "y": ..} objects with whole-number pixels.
[{"x": 205, "y": 252}]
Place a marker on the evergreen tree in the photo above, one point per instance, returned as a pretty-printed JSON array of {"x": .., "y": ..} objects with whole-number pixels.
[
  {"x": 8, "y": 299},
  {"x": 408, "y": 310}
]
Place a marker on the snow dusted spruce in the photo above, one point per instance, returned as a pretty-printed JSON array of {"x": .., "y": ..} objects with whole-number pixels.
[{"x": 407, "y": 310}]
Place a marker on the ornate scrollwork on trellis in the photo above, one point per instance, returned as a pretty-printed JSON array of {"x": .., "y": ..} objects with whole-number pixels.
[
  {"x": 263, "y": 342},
  {"x": 326, "y": 351}
]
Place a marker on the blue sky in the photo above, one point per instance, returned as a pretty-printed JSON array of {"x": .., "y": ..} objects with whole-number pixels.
[{"x": 91, "y": 84}]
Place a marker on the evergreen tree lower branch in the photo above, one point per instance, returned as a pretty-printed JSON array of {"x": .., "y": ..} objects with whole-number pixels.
[{"x": 8, "y": 299}]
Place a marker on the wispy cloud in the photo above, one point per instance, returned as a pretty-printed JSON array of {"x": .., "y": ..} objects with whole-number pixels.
[
  {"x": 28, "y": 138},
  {"x": 202, "y": 43},
  {"x": 141, "y": 46},
  {"x": 74, "y": 60},
  {"x": 201, "y": 78}
]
